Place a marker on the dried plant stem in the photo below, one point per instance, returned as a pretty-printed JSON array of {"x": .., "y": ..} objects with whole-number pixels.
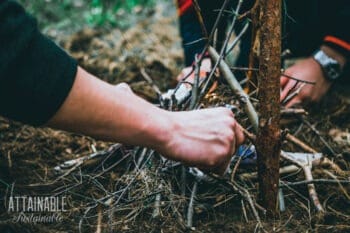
[
  {"x": 312, "y": 189},
  {"x": 308, "y": 176},
  {"x": 300, "y": 143},
  {"x": 195, "y": 87},
  {"x": 315, "y": 181},
  {"x": 190, "y": 205},
  {"x": 150, "y": 82},
  {"x": 293, "y": 112},
  {"x": 236, "y": 88},
  {"x": 283, "y": 170}
]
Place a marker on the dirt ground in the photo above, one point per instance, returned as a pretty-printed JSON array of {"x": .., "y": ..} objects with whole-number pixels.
[{"x": 29, "y": 155}]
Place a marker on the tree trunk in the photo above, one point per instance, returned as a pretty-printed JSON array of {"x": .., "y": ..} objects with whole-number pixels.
[{"x": 268, "y": 140}]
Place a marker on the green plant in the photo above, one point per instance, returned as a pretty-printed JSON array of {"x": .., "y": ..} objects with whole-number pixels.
[{"x": 104, "y": 12}]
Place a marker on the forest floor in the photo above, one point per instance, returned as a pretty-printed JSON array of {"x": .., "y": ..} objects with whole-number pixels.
[{"x": 29, "y": 155}]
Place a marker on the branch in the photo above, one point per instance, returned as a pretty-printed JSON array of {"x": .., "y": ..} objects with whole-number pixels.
[{"x": 236, "y": 88}]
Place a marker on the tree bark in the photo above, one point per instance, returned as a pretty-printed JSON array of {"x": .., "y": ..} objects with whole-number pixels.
[{"x": 268, "y": 140}]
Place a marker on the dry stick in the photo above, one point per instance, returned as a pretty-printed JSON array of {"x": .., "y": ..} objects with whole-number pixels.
[
  {"x": 195, "y": 87},
  {"x": 156, "y": 211},
  {"x": 200, "y": 18},
  {"x": 319, "y": 162},
  {"x": 190, "y": 206},
  {"x": 318, "y": 134},
  {"x": 193, "y": 104},
  {"x": 308, "y": 176},
  {"x": 252, "y": 115},
  {"x": 244, "y": 211},
  {"x": 299, "y": 143},
  {"x": 312, "y": 189},
  {"x": 283, "y": 170},
  {"x": 204, "y": 51},
  {"x": 232, "y": 28},
  {"x": 142, "y": 156},
  {"x": 236, "y": 88},
  {"x": 236, "y": 40},
  {"x": 150, "y": 81},
  {"x": 183, "y": 181},
  {"x": 339, "y": 183},
  {"x": 132, "y": 180},
  {"x": 244, "y": 193},
  {"x": 291, "y": 96},
  {"x": 211, "y": 36},
  {"x": 235, "y": 168},
  {"x": 239, "y": 162},
  {"x": 293, "y": 111},
  {"x": 296, "y": 79},
  {"x": 99, "y": 220},
  {"x": 315, "y": 181},
  {"x": 223, "y": 49}
]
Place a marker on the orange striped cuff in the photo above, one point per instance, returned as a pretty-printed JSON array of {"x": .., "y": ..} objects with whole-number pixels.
[{"x": 337, "y": 41}]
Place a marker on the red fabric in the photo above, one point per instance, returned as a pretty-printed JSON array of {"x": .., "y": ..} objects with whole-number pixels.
[
  {"x": 338, "y": 42},
  {"x": 184, "y": 5}
]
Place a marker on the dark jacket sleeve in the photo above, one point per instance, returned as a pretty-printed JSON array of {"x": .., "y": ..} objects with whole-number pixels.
[
  {"x": 193, "y": 38},
  {"x": 35, "y": 74},
  {"x": 337, "y": 32}
]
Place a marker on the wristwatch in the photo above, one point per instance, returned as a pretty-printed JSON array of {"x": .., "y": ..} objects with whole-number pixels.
[{"x": 331, "y": 68}]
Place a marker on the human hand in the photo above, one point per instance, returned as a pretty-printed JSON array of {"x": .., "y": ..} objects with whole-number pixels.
[
  {"x": 205, "y": 138},
  {"x": 186, "y": 72},
  {"x": 310, "y": 71}
]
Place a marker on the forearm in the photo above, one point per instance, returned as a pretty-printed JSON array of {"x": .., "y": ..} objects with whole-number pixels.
[{"x": 108, "y": 112}]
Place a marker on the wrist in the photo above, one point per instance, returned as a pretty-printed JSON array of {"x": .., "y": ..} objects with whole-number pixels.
[
  {"x": 331, "y": 62},
  {"x": 340, "y": 58},
  {"x": 158, "y": 131}
]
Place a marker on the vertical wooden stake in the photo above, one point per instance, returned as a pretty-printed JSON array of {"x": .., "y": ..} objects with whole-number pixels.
[{"x": 268, "y": 140}]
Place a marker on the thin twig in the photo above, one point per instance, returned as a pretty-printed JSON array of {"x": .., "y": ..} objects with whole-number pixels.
[
  {"x": 150, "y": 81},
  {"x": 236, "y": 40},
  {"x": 236, "y": 88},
  {"x": 319, "y": 135},
  {"x": 223, "y": 49},
  {"x": 300, "y": 143},
  {"x": 296, "y": 79},
  {"x": 200, "y": 17},
  {"x": 190, "y": 205},
  {"x": 195, "y": 87},
  {"x": 293, "y": 111},
  {"x": 314, "y": 181}
]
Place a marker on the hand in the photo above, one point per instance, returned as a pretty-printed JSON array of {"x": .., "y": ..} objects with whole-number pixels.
[
  {"x": 205, "y": 68},
  {"x": 203, "y": 138},
  {"x": 307, "y": 70}
]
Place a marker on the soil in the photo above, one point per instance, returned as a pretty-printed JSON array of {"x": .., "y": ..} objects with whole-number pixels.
[{"x": 28, "y": 155}]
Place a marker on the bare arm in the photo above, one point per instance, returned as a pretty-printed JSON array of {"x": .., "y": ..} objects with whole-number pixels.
[{"x": 205, "y": 138}]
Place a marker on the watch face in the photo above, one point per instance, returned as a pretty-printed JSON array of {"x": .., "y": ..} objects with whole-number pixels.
[
  {"x": 333, "y": 71},
  {"x": 331, "y": 68}
]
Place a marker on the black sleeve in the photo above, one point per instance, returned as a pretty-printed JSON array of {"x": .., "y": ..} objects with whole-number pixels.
[
  {"x": 35, "y": 74},
  {"x": 337, "y": 33},
  {"x": 193, "y": 39}
]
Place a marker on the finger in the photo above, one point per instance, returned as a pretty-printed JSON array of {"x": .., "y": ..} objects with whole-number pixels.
[
  {"x": 240, "y": 138},
  {"x": 180, "y": 77},
  {"x": 286, "y": 90},
  {"x": 184, "y": 73},
  {"x": 283, "y": 81},
  {"x": 295, "y": 101}
]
